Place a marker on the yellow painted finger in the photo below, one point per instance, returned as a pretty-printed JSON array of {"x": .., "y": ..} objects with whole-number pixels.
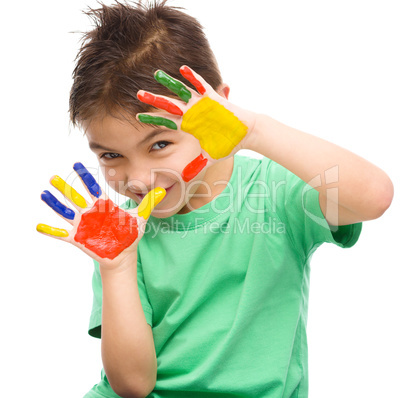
[
  {"x": 151, "y": 199},
  {"x": 62, "y": 233},
  {"x": 68, "y": 191}
]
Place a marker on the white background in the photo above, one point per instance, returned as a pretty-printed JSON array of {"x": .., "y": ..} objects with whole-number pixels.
[{"x": 330, "y": 68}]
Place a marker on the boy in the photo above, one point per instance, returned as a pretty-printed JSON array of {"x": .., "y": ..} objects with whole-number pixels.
[{"x": 207, "y": 296}]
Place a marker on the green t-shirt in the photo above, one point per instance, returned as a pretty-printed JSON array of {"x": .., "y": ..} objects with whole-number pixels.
[{"x": 225, "y": 288}]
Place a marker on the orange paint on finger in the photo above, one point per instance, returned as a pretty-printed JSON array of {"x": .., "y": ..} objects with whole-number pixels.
[
  {"x": 159, "y": 102},
  {"x": 193, "y": 168},
  {"x": 106, "y": 229},
  {"x": 188, "y": 74}
]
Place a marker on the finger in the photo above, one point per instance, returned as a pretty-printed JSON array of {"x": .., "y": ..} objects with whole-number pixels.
[
  {"x": 194, "y": 167},
  {"x": 194, "y": 78},
  {"x": 160, "y": 102},
  {"x": 68, "y": 191},
  {"x": 88, "y": 180},
  {"x": 57, "y": 206},
  {"x": 173, "y": 85},
  {"x": 157, "y": 120},
  {"x": 47, "y": 230},
  {"x": 151, "y": 199}
]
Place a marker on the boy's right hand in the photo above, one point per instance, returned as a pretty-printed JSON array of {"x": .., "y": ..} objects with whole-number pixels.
[{"x": 101, "y": 229}]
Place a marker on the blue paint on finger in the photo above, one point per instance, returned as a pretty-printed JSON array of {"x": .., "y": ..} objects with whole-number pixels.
[
  {"x": 88, "y": 179},
  {"x": 57, "y": 206}
]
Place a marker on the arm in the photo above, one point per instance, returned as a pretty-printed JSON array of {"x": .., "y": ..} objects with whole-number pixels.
[
  {"x": 110, "y": 236},
  {"x": 350, "y": 188},
  {"x": 363, "y": 191},
  {"x": 128, "y": 351}
]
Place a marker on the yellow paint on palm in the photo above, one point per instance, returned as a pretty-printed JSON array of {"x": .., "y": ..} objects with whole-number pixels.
[
  {"x": 52, "y": 231},
  {"x": 68, "y": 191},
  {"x": 151, "y": 199},
  {"x": 217, "y": 129}
]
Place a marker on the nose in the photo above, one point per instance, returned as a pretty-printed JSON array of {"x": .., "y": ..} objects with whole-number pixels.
[{"x": 140, "y": 179}]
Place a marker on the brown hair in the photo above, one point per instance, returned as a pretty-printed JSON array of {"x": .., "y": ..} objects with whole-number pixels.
[{"x": 120, "y": 55}]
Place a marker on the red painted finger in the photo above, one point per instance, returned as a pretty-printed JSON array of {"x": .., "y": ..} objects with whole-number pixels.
[
  {"x": 159, "y": 102},
  {"x": 188, "y": 74}
]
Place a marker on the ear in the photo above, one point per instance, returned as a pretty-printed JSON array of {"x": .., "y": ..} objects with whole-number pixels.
[{"x": 223, "y": 90}]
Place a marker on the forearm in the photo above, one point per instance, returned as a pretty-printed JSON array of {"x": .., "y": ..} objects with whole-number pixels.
[
  {"x": 128, "y": 351},
  {"x": 363, "y": 190}
]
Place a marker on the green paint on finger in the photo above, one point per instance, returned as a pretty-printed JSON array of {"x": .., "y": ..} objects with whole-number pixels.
[
  {"x": 157, "y": 120},
  {"x": 173, "y": 85}
]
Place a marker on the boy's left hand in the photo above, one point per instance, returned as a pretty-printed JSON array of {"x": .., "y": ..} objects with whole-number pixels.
[{"x": 220, "y": 126}]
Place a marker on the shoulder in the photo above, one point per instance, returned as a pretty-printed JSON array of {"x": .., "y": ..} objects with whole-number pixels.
[
  {"x": 261, "y": 168},
  {"x": 250, "y": 165}
]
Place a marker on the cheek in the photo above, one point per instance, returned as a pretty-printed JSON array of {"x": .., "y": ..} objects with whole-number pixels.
[
  {"x": 114, "y": 178},
  {"x": 187, "y": 152},
  {"x": 195, "y": 185},
  {"x": 178, "y": 161}
]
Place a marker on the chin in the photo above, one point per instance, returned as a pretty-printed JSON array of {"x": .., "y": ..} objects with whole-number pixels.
[{"x": 163, "y": 214}]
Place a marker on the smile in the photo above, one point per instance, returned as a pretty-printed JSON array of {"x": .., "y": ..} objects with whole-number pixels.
[{"x": 141, "y": 196}]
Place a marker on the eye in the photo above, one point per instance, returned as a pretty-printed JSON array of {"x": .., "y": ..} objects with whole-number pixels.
[
  {"x": 160, "y": 145},
  {"x": 110, "y": 155}
]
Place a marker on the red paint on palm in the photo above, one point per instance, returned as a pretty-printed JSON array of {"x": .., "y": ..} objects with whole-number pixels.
[
  {"x": 188, "y": 74},
  {"x": 158, "y": 102},
  {"x": 106, "y": 229},
  {"x": 193, "y": 168}
]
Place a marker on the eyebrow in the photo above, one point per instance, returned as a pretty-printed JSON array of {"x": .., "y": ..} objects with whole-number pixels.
[
  {"x": 151, "y": 135},
  {"x": 94, "y": 145}
]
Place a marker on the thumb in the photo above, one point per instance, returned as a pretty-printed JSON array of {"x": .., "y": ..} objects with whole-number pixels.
[{"x": 150, "y": 201}]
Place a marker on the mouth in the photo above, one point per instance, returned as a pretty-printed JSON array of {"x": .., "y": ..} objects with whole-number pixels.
[{"x": 141, "y": 196}]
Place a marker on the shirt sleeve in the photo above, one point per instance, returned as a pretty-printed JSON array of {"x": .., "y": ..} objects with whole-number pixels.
[{"x": 297, "y": 205}]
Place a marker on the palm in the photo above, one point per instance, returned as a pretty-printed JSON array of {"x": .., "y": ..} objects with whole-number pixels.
[
  {"x": 99, "y": 228},
  {"x": 219, "y": 125}
]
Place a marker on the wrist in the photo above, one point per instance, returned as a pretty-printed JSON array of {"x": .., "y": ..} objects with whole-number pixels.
[
  {"x": 123, "y": 264},
  {"x": 252, "y": 139},
  {"x": 118, "y": 280}
]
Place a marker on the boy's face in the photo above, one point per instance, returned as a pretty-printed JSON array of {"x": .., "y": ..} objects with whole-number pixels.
[{"x": 137, "y": 158}]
